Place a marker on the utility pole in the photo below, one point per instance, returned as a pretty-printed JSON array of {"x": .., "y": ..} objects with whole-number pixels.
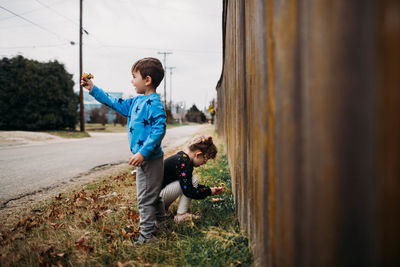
[
  {"x": 82, "y": 107},
  {"x": 170, "y": 86},
  {"x": 165, "y": 76}
]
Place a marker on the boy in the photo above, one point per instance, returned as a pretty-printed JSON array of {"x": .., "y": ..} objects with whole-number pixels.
[{"x": 146, "y": 129}]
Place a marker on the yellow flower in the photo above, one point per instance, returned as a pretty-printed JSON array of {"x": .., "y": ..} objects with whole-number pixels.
[{"x": 88, "y": 75}]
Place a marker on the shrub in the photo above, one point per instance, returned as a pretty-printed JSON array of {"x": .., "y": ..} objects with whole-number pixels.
[
  {"x": 119, "y": 119},
  {"x": 99, "y": 115},
  {"x": 195, "y": 115},
  {"x": 36, "y": 96}
]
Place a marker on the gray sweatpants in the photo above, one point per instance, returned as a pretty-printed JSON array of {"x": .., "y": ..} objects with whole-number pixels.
[
  {"x": 149, "y": 178},
  {"x": 172, "y": 191}
]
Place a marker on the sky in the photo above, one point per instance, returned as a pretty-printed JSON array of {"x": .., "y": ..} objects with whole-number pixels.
[{"x": 119, "y": 33}]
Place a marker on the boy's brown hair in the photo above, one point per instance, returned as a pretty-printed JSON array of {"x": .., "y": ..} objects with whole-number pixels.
[
  {"x": 205, "y": 145},
  {"x": 150, "y": 66}
]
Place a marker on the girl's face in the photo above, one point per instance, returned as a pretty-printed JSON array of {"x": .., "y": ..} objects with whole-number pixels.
[{"x": 199, "y": 159}]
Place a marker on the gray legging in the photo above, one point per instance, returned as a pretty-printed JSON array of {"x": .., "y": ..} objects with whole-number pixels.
[{"x": 172, "y": 191}]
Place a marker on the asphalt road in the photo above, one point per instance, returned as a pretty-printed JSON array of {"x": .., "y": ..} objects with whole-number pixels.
[{"x": 25, "y": 169}]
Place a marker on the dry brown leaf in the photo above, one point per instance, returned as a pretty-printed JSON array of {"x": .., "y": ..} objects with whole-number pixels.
[
  {"x": 112, "y": 250},
  {"x": 133, "y": 215},
  {"x": 80, "y": 243},
  {"x": 127, "y": 243},
  {"x": 97, "y": 215},
  {"x": 105, "y": 228},
  {"x": 57, "y": 226},
  {"x": 17, "y": 236}
]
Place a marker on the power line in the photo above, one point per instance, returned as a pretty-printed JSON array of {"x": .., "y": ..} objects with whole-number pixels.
[
  {"x": 153, "y": 48},
  {"x": 70, "y": 20},
  {"x": 33, "y": 46},
  {"x": 168, "y": 9},
  {"x": 30, "y": 11},
  {"x": 60, "y": 14},
  {"x": 33, "y": 23}
]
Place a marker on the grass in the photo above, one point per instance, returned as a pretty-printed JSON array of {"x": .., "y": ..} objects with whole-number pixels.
[
  {"x": 69, "y": 134},
  {"x": 94, "y": 226},
  {"x": 173, "y": 125},
  {"x": 107, "y": 128}
]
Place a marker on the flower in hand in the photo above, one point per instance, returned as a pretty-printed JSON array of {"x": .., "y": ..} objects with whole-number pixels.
[{"x": 86, "y": 81}]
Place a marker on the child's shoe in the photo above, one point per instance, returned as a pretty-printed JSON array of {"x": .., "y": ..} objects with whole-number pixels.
[
  {"x": 141, "y": 240},
  {"x": 185, "y": 217}
]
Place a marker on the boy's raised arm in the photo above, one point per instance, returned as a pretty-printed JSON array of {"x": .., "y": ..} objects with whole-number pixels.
[{"x": 118, "y": 104}]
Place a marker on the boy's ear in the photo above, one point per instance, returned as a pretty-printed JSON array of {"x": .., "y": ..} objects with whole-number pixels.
[
  {"x": 199, "y": 153},
  {"x": 148, "y": 80}
]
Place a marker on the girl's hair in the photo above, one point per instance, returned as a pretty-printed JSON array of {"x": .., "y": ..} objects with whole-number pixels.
[{"x": 205, "y": 145}]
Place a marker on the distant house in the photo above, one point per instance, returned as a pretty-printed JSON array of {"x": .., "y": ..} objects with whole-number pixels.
[{"x": 91, "y": 103}]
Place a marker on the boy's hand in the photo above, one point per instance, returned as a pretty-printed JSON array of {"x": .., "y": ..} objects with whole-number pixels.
[
  {"x": 216, "y": 190},
  {"x": 87, "y": 83},
  {"x": 136, "y": 160}
]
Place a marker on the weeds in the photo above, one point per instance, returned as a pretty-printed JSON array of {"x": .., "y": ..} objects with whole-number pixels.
[{"x": 95, "y": 226}]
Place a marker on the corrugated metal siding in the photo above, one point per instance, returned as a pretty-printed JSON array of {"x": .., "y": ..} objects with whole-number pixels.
[{"x": 309, "y": 108}]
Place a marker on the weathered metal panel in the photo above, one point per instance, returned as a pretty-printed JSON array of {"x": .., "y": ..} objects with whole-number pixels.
[{"x": 308, "y": 106}]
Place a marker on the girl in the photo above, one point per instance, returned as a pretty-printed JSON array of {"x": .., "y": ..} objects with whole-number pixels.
[{"x": 179, "y": 181}]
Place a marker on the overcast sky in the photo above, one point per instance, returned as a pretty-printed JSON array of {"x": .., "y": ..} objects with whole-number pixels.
[{"x": 121, "y": 32}]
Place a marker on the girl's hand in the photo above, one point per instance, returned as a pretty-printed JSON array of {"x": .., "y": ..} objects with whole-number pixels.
[
  {"x": 87, "y": 83},
  {"x": 216, "y": 190}
]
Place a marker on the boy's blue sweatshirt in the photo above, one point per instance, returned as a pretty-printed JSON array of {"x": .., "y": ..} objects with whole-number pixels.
[{"x": 146, "y": 121}]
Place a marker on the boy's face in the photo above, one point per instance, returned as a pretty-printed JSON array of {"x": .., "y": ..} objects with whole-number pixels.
[{"x": 139, "y": 83}]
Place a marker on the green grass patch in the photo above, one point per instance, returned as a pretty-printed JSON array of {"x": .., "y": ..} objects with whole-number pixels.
[
  {"x": 173, "y": 125},
  {"x": 95, "y": 226},
  {"x": 215, "y": 239},
  {"x": 69, "y": 134},
  {"x": 107, "y": 128}
]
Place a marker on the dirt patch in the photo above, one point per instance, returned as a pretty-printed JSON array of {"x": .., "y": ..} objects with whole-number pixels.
[
  {"x": 16, "y": 138},
  {"x": 25, "y": 137}
]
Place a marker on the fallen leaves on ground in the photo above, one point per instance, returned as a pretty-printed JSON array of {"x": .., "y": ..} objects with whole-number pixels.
[{"x": 92, "y": 208}]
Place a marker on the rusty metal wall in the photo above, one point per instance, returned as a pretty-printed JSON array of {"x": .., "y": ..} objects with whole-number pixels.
[{"x": 309, "y": 108}]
